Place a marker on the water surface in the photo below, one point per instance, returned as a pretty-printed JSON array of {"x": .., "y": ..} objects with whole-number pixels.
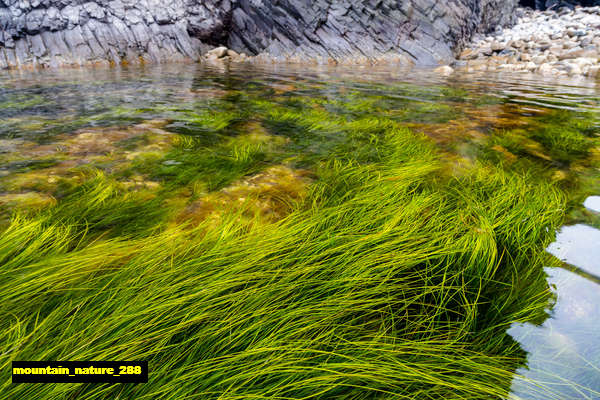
[{"x": 56, "y": 125}]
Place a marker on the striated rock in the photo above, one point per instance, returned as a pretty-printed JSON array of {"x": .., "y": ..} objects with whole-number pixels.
[
  {"x": 77, "y": 32},
  {"x": 420, "y": 31}
]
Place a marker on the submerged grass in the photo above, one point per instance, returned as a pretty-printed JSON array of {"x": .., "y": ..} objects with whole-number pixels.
[
  {"x": 393, "y": 277},
  {"x": 388, "y": 281}
]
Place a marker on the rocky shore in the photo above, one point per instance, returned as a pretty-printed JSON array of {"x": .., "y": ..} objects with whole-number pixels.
[
  {"x": 56, "y": 33},
  {"x": 563, "y": 42}
]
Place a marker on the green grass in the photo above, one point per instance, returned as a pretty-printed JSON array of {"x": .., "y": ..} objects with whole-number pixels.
[
  {"x": 395, "y": 277},
  {"x": 213, "y": 167},
  {"x": 101, "y": 206},
  {"x": 563, "y": 137},
  {"x": 389, "y": 281}
]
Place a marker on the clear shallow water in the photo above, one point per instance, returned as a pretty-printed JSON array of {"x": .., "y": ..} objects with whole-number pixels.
[
  {"x": 41, "y": 112},
  {"x": 563, "y": 352},
  {"x": 592, "y": 203}
]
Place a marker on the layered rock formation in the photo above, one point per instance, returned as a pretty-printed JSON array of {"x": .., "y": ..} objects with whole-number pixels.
[{"x": 59, "y": 32}]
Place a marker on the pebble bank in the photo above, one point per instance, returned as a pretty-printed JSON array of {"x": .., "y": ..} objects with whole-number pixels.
[{"x": 563, "y": 42}]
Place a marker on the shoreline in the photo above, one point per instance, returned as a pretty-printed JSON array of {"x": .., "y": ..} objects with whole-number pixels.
[
  {"x": 554, "y": 43},
  {"x": 563, "y": 43}
]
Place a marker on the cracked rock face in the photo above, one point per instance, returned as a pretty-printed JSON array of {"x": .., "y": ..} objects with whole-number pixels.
[{"x": 80, "y": 32}]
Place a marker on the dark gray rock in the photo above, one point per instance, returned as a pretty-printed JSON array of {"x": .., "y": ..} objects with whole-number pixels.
[
  {"x": 557, "y": 4},
  {"x": 58, "y": 32},
  {"x": 426, "y": 31}
]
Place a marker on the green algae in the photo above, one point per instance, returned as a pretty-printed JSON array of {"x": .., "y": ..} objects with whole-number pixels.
[
  {"x": 269, "y": 244},
  {"x": 350, "y": 280},
  {"x": 100, "y": 205},
  {"x": 217, "y": 166},
  {"x": 21, "y": 102}
]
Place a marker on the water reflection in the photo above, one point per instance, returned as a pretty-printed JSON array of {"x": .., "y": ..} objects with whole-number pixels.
[
  {"x": 564, "y": 353},
  {"x": 593, "y": 203}
]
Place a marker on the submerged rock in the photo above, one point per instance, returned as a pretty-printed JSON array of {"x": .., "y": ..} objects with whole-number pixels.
[
  {"x": 269, "y": 194},
  {"x": 28, "y": 200}
]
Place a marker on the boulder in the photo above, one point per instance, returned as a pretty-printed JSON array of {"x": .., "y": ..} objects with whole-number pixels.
[
  {"x": 592, "y": 71},
  {"x": 546, "y": 69},
  {"x": 469, "y": 54},
  {"x": 525, "y": 57},
  {"x": 590, "y": 52},
  {"x": 218, "y": 52},
  {"x": 497, "y": 47},
  {"x": 567, "y": 5}
]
